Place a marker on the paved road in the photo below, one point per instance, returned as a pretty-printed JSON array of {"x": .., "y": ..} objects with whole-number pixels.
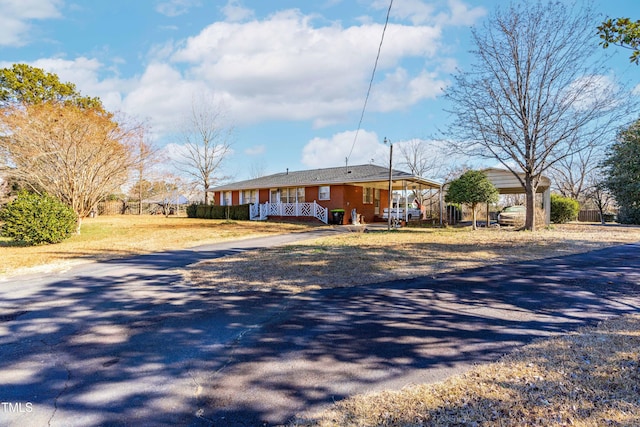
[{"x": 126, "y": 343}]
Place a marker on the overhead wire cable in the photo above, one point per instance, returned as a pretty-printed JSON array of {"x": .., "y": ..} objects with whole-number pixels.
[{"x": 373, "y": 74}]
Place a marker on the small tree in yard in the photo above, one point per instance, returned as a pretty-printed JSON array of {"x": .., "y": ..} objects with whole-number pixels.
[
  {"x": 472, "y": 188},
  {"x": 37, "y": 219}
]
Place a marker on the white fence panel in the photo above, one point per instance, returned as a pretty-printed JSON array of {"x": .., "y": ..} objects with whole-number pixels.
[{"x": 266, "y": 210}]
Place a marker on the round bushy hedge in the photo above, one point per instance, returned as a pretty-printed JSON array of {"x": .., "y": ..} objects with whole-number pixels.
[
  {"x": 563, "y": 209},
  {"x": 35, "y": 220}
]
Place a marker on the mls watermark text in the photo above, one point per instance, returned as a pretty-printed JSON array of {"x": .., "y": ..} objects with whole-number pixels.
[{"x": 16, "y": 407}]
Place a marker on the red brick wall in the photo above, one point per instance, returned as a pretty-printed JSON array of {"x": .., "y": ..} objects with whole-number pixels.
[{"x": 344, "y": 197}]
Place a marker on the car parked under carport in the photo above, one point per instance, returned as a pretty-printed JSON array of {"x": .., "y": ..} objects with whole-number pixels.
[{"x": 512, "y": 215}]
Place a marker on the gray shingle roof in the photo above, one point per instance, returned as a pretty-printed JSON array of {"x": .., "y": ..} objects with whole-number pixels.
[{"x": 327, "y": 176}]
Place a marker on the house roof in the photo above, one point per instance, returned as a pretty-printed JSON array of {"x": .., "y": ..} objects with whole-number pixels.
[{"x": 376, "y": 176}]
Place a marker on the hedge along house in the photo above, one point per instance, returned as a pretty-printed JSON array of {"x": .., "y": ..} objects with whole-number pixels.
[
  {"x": 507, "y": 183},
  {"x": 315, "y": 193}
]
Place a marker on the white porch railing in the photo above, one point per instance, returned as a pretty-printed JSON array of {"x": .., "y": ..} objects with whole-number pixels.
[{"x": 265, "y": 210}]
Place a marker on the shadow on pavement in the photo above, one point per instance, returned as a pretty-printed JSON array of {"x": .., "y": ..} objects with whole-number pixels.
[{"x": 129, "y": 347}]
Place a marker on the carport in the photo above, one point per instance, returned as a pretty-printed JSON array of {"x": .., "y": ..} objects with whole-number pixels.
[{"x": 506, "y": 183}]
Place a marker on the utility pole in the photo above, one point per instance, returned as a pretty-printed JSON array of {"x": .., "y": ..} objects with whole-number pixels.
[{"x": 390, "y": 182}]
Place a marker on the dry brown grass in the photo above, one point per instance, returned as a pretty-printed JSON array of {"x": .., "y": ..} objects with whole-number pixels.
[
  {"x": 361, "y": 258},
  {"x": 587, "y": 378},
  {"x": 107, "y": 237}
]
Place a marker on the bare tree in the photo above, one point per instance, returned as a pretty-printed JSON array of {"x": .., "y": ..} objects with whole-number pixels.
[
  {"x": 257, "y": 169},
  {"x": 599, "y": 195},
  {"x": 147, "y": 156},
  {"x": 206, "y": 142},
  {"x": 77, "y": 155},
  {"x": 573, "y": 175},
  {"x": 423, "y": 158},
  {"x": 536, "y": 94}
]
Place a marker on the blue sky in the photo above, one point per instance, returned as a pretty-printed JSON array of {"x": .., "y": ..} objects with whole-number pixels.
[{"x": 291, "y": 76}]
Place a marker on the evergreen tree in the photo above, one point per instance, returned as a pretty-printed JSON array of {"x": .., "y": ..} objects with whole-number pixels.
[
  {"x": 472, "y": 188},
  {"x": 622, "y": 172}
]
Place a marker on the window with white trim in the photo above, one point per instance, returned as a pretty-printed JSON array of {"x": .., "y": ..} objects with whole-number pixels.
[
  {"x": 300, "y": 194},
  {"x": 324, "y": 193},
  {"x": 288, "y": 195},
  {"x": 226, "y": 198},
  {"x": 367, "y": 195},
  {"x": 248, "y": 196}
]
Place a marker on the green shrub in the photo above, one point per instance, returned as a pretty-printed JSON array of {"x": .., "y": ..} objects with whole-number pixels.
[
  {"x": 563, "y": 209},
  {"x": 240, "y": 212},
  {"x": 36, "y": 220},
  {"x": 201, "y": 211},
  {"x": 192, "y": 210},
  {"x": 630, "y": 213}
]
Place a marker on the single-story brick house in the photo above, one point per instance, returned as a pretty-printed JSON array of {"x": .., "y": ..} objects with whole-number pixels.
[{"x": 315, "y": 193}]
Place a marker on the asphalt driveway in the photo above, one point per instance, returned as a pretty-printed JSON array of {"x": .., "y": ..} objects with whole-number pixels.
[{"x": 126, "y": 343}]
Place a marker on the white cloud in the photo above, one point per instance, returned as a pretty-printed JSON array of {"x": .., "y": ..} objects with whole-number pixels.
[
  {"x": 162, "y": 94},
  {"x": 591, "y": 91},
  {"x": 173, "y": 8},
  {"x": 323, "y": 152},
  {"x": 16, "y": 17},
  {"x": 256, "y": 150},
  {"x": 416, "y": 11},
  {"x": 85, "y": 74},
  {"x": 285, "y": 68},
  {"x": 399, "y": 89},
  {"x": 419, "y": 12},
  {"x": 235, "y": 12},
  {"x": 461, "y": 14}
]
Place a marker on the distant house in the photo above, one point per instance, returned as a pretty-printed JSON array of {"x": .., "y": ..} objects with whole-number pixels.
[
  {"x": 315, "y": 193},
  {"x": 167, "y": 203}
]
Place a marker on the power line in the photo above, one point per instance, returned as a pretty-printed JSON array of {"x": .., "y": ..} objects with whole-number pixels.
[{"x": 375, "y": 66}]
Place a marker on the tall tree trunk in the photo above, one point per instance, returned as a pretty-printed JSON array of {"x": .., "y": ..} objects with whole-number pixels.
[
  {"x": 473, "y": 225},
  {"x": 530, "y": 201}
]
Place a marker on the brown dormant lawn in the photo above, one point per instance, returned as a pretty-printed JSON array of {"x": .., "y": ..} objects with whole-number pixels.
[
  {"x": 362, "y": 258},
  {"x": 108, "y": 237},
  {"x": 587, "y": 378}
]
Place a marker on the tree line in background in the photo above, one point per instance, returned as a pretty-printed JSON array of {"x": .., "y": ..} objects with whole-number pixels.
[{"x": 55, "y": 142}]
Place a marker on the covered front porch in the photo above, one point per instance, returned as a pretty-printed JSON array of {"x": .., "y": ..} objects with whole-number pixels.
[{"x": 260, "y": 212}]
